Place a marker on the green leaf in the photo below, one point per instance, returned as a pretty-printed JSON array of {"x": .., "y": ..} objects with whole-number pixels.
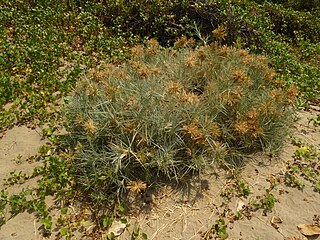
[
  {"x": 144, "y": 236},
  {"x": 64, "y": 210},
  {"x": 63, "y": 231},
  {"x": 107, "y": 221}
]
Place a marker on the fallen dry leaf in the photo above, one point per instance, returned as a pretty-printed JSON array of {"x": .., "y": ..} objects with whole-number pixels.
[
  {"x": 274, "y": 221},
  {"x": 309, "y": 229},
  {"x": 240, "y": 206},
  {"x": 117, "y": 228}
]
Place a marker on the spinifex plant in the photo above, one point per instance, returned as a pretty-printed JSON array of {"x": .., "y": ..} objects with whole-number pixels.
[{"x": 170, "y": 113}]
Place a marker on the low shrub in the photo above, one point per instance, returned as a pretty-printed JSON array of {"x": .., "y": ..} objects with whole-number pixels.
[{"x": 173, "y": 112}]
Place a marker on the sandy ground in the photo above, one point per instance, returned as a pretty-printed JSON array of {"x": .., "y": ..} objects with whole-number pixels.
[
  {"x": 16, "y": 150},
  {"x": 173, "y": 215}
]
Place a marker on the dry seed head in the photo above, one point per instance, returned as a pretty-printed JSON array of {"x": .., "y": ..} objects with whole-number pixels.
[
  {"x": 262, "y": 67},
  {"x": 215, "y": 129},
  {"x": 189, "y": 98},
  {"x": 174, "y": 87},
  {"x": 201, "y": 53},
  {"x": 231, "y": 96},
  {"x": 241, "y": 77},
  {"x": 256, "y": 130},
  {"x": 242, "y": 127},
  {"x": 137, "y": 186},
  {"x": 220, "y": 32},
  {"x": 243, "y": 52},
  {"x": 194, "y": 132},
  {"x": 180, "y": 42},
  {"x": 90, "y": 127},
  {"x": 248, "y": 127},
  {"x": 152, "y": 47},
  {"x": 143, "y": 70},
  {"x": 262, "y": 59},
  {"x": 276, "y": 94},
  {"x": 291, "y": 94},
  {"x": 252, "y": 115},
  {"x": 137, "y": 51},
  {"x": 191, "y": 42},
  {"x": 91, "y": 90},
  {"x": 247, "y": 59},
  {"x": 154, "y": 70},
  {"x": 270, "y": 75},
  {"x": 225, "y": 51},
  {"x": 132, "y": 103},
  {"x": 121, "y": 74},
  {"x": 262, "y": 63},
  {"x": 99, "y": 74},
  {"x": 279, "y": 83},
  {"x": 218, "y": 145},
  {"x": 188, "y": 151},
  {"x": 183, "y": 42},
  {"x": 190, "y": 60},
  {"x": 110, "y": 89},
  {"x": 79, "y": 121},
  {"x": 267, "y": 107}
]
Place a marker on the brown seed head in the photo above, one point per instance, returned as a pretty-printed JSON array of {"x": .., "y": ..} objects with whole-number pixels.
[
  {"x": 137, "y": 51},
  {"x": 270, "y": 75},
  {"x": 180, "y": 42},
  {"x": 174, "y": 87},
  {"x": 276, "y": 94},
  {"x": 90, "y": 127},
  {"x": 191, "y": 60},
  {"x": 189, "y": 98},
  {"x": 243, "y": 52},
  {"x": 225, "y": 51},
  {"x": 121, "y": 74},
  {"x": 231, "y": 96},
  {"x": 241, "y": 77},
  {"x": 194, "y": 132},
  {"x": 153, "y": 47},
  {"x": 247, "y": 59},
  {"x": 220, "y": 32},
  {"x": 215, "y": 129},
  {"x": 242, "y": 127},
  {"x": 137, "y": 186},
  {"x": 291, "y": 94}
]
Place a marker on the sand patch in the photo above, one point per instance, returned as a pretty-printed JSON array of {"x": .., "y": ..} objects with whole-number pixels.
[{"x": 16, "y": 147}]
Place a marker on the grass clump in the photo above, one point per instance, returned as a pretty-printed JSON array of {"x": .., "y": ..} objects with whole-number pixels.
[{"x": 173, "y": 112}]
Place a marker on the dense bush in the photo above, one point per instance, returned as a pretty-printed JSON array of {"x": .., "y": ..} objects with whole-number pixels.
[
  {"x": 295, "y": 4},
  {"x": 173, "y": 112}
]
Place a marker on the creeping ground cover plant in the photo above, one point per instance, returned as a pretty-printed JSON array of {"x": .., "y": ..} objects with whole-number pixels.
[{"x": 174, "y": 112}]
